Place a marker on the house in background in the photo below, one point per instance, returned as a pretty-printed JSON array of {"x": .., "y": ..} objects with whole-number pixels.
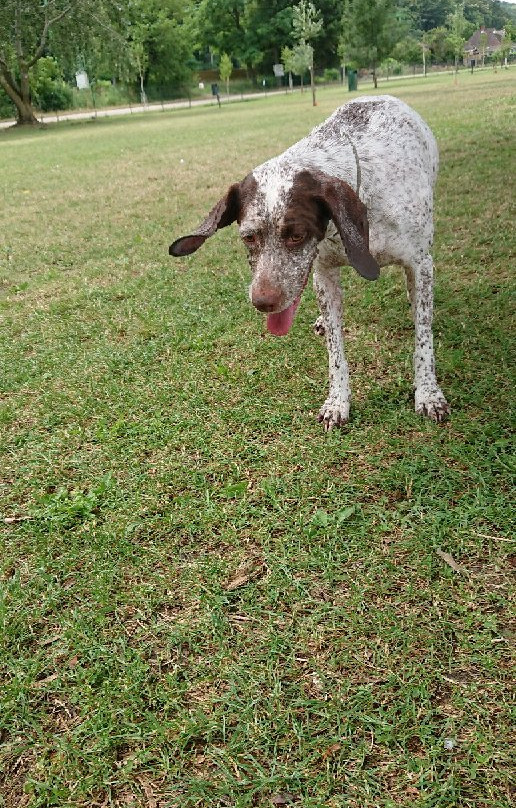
[{"x": 482, "y": 44}]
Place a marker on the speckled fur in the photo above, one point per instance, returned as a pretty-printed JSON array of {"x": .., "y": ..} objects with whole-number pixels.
[{"x": 375, "y": 152}]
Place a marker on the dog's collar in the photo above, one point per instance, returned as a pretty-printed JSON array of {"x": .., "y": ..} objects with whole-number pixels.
[{"x": 357, "y": 161}]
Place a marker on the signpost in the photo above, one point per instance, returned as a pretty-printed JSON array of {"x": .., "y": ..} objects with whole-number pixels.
[
  {"x": 82, "y": 80},
  {"x": 279, "y": 72}
]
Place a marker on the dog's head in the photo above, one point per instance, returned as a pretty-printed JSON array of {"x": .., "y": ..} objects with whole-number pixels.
[{"x": 282, "y": 215}]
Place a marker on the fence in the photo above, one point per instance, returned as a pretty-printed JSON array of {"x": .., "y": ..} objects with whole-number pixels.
[{"x": 199, "y": 97}]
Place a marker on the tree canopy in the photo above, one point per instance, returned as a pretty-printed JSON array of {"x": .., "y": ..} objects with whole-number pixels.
[
  {"x": 370, "y": 32},
  {"x": 160, "y": 43},
  {"x": 29, "y": 31},
  {"x": 255, "y": 31},
  {"x": 306, "y": 24},
  {"x": 162, "y": 30}
]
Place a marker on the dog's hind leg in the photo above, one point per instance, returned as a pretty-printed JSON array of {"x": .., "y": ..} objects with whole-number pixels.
[{"x": 429, "y": 399}]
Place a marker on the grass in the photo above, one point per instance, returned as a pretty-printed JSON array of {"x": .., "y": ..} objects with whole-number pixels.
[{"x": 205, "y": 600}]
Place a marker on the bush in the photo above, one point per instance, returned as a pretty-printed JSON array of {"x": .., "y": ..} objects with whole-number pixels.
[
  {"x": 331, "y": 74},
  {"x": 55, "y": 96},
  {"x": 7, "y": 108},
  {"x": 49, "y": 91},
  {"x": 391, "y": 67},
  {"x": 110, "y": 95},
  {"x": 103, "y": 93}
]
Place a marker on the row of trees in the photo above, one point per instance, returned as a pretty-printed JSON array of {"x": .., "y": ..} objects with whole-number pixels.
[
  {"x": 376, "y": 33},
  {"x": 163, "y": 42}
]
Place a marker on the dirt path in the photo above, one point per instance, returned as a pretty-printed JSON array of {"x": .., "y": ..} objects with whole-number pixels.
[{"x": 141, "y": 108}]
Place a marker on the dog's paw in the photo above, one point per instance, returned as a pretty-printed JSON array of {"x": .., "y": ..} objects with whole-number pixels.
[
  {"x": 334, "y": 412},
  {"x": 431, "y": 403},
  {"x": 319, "y": 327}
]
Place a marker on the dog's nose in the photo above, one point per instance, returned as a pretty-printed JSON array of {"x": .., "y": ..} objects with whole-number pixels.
[
  {"x": 266, "y": 298},
  {"x": 263, "y": 304}
]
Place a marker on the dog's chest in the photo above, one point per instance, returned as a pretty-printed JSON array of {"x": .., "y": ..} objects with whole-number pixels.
[{"x": 331, "y": 252}]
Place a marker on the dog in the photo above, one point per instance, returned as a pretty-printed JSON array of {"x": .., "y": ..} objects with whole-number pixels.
[{"x": 358, "y": 191}]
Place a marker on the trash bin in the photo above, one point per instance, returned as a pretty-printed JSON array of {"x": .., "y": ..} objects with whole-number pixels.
[{"x": 352, "y": 80}]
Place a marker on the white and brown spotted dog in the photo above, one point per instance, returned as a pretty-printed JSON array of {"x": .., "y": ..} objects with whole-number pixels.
[{"x": 358, "y": 190}]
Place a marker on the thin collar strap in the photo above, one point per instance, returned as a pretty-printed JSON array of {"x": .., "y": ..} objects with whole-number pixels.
[{"x": 359, "y": 173}]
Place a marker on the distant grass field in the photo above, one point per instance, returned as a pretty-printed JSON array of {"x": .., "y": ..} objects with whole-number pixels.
[{"x": 205, "y": 599}]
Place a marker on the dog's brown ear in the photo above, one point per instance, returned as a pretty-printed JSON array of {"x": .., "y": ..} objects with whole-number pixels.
[
  {"x": 349, "y": 215},
  {"x": 224, "y": 213}
]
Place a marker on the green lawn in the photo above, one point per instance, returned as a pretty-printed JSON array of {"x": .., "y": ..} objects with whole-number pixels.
[{"x": 205, "y": 599}]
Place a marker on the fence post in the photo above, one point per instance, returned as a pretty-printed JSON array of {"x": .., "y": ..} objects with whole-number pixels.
[{"x": 93, "y": 98}]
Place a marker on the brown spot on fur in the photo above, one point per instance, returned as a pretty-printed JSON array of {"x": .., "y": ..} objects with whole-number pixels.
[
  {"x": 315, "y": 199},
  {"x": 303, "y": 211},
  {"x": 229, "y": 209},
  {"x": 358, "y": 114},
  {"x": 246, "y": 193}
]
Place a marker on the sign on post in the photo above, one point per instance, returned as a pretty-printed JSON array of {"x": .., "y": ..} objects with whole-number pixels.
[{"x": 83, "y": 82}]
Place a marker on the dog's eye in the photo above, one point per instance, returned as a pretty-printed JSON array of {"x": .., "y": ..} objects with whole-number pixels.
[
  {"x": 250, "y": 239},
  {"x": 295, "y": 239}
]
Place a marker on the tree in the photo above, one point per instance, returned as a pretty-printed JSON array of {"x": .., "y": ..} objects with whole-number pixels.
[
  {"x": 140, "y": 59},
  {"x": 48, "y": 87},
  {"x": 437, "y": 41},
  {"x": 255, "y": 31},
  {"x": 455, "y": 39},
  {"x": 409, "y": 51},
  {"x": 485, "y": 12},
  {"x": 430, "y": 14},
  {"x": 161, "y": 43},
  {"x": 31, "y": 30},
  {"x": 303, "y": 57},
  {"x": 506, "y": 46},
  {"x": 220, "y": 25},
  {"x": 269, "y": 26},
  {"x": 425, "y": 51},
  {"x": 307, "y": 24},
  {"x": 327, "y": 44},
  {"x": 288, "y": 61},
  {"x": 389, "y": 65},
  {"x": 225, "y": 70},
  {"x": 370, "y": 31},
  {"x": 252, "y": 31},
  {"x": 484, "y": 40}
]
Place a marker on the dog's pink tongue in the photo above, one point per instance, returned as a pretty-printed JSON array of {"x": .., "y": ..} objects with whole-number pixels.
[{"x": 279, "y": 324}]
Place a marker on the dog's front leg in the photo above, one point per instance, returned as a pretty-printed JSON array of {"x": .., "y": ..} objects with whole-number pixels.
[{"x": 335, "y": 410}]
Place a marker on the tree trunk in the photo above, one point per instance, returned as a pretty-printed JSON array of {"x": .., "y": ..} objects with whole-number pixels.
[
  {"x": 24, "y": 111},
  {"x": 312, "y": 85},
  {"x": 25, "y": 115},
  {"x": 143, "y": 94},
  {"x": 456, "y": 73}
]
